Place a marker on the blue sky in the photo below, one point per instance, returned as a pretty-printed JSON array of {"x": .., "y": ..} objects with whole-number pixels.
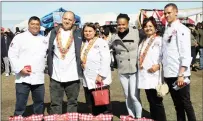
[{"x": 15, "y": 12}]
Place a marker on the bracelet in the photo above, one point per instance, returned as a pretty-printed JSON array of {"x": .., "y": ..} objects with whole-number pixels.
[{"x": 182, "y": 75}]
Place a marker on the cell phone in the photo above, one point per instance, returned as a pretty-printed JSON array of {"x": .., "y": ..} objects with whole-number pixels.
[{"x": 186, "y": 82}]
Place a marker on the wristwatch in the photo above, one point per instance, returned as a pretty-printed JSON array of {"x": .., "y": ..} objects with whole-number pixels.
[{"x": 181, "y": 75}]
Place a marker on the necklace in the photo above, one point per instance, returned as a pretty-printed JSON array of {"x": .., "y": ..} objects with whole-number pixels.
[
  {"x": 84, "y": 56},
  {"x": 64, "y": 50},
  {"x": 143, "y": 55}
]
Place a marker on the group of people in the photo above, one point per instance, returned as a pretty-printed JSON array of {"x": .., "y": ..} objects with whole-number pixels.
[
  {"x": 196, "y": 45},
  {"x": 6, "y": 38},
  {"x": 77, "y": 56}
]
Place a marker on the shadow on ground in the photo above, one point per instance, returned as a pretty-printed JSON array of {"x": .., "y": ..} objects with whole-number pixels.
[{"x": 119, "y": 108}]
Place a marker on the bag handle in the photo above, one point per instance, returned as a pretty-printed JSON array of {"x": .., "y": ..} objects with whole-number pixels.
[
  {"x": 97, "y": 87},
  {"x": 161, "y": 80}
]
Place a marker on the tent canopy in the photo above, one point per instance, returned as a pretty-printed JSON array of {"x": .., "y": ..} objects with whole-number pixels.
[{"x": 47, "y": 21}]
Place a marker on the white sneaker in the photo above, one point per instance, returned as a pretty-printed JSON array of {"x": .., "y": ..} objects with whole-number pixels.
[{"x": 6, "y": 74}]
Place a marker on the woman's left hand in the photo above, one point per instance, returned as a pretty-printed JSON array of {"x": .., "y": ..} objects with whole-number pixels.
[
  {"x": 98, "y": 79},
  {"x": 154, "y": 68}
]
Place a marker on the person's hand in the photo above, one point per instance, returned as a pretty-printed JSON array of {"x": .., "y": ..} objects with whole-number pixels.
[
  {"x": 180, "y": 81},
  {"x": 99, "y": 79},
  {"x": 196, "y": 45},
  {"x": 25, "y": 71},
  {"x": 154, "y": 68}
]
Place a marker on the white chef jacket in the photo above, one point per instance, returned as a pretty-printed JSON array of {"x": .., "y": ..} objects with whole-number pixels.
[
  {"x": 65, "y": 70},
  {"x": 177, "y": 53},
  {"x": 26, "y": 49},
  {"x": 148, "y": 80},
  {"x": 98, "y": 62}
]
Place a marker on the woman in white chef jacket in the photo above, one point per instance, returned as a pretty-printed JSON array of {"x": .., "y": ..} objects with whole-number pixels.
[
  {"x": 149, "y": 69},
  {"x": 95, "y": 58}
]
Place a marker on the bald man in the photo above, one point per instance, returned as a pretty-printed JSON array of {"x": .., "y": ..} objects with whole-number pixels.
[{"x": 64, "y": 66}]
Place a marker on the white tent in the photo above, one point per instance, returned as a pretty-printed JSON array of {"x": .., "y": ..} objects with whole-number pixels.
[
  {"x": 100, "y": 18},
  {"x": 22, "y": 25}
]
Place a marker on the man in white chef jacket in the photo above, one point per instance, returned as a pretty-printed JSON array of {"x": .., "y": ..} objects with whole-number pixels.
[
  {"x": 64, "y": 65},
  {"x": 27, "y": 56},
  {"x": 176, "y": 62}
]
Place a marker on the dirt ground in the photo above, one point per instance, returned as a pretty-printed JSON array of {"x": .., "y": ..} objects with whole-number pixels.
[{"x": 117, "y": 98}]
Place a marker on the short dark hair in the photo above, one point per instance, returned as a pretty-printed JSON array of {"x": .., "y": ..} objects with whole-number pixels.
[
  {"x": 146, "y": 20},
  {"x": 121, "y": 15},
  {"x": 33, "y": 18},
  {"x": 106, "y": 31},
  {"x": 171, "y": 4}
]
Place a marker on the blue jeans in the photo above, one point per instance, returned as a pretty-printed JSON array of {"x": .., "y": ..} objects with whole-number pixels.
[
  {"x": 132, "y": 94},
  {"x": 201, "y": 58},
  {"x": 22, "y": 93}
]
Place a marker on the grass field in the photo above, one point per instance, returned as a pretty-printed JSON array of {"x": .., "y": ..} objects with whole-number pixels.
[{"x": 117, "y": 98}]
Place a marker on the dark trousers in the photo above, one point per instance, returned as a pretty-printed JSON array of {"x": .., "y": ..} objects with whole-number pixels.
[
  {"x": 57, "y": 90},
  {"x": 96, "y": 110},
  {"x": 193, "y": 54},
  {"x": 22, "y": 93},
  {"x": 181, "y": 100},
  {"x": 157, "y": 110}
]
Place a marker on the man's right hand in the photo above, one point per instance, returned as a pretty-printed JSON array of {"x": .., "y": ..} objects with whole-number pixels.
[{"x": 25, "y": 71}]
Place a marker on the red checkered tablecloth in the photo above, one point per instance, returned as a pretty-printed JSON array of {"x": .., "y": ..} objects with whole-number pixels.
[
  {"x": 104, "y": 117},
  {"x": 90, "y": 117},
  {"x": 15, "y": 118},
  {"x": 73, "y": 116},
  {"x": 62, "y": 117},
  {"x": 129, "y": 118},
  {"x": 86, "y": 117},
  {"x": 34, "y": 118}
]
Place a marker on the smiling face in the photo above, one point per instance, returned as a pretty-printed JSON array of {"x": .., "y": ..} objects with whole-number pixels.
[
  {"x": 170, "y": 14},
  {"x": 122, "y": 24},
  {"x": 34, "y": 27},
  {"x": 89, "y": 33},
  {"x": 149, "y": 29},
  {"x": 68, "y": 20}
]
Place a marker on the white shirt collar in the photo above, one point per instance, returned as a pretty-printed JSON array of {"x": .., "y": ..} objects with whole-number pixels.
[
  {"x": 29, "y": 33},
  {"x": 173, "y": 24}
]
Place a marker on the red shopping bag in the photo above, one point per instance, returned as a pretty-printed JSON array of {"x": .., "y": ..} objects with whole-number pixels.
[
  {"x": 101, "y": 97},
  {"x": 34, "y": 118},
  {"x": 15, "y": 118}
]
